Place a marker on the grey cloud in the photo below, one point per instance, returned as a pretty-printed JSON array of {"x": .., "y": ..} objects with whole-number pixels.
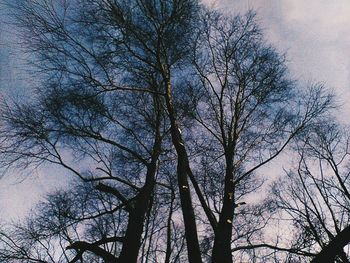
[{"x": 315, "y": 34}]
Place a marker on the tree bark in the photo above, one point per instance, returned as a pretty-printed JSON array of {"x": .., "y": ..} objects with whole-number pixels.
[
  {"x": 194, "y": 254},
  {"x": 222, "y": 242},
  {"x": 133, "y": 235},
  {"x": 334, "y": 247}
]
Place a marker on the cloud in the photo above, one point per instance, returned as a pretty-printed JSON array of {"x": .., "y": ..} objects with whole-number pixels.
[{"x": 315, "y": 34}]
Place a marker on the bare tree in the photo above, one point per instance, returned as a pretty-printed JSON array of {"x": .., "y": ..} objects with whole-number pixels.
[
  {"x": 106, "y": 75},
  {"x": 59, "y": 222},
  {"x": 83, "y": 225},
  {"x": 248, "y": 109},
  {"x": 112, "y": 138},
  {"x": 127, "y": 90},
  {"x": 315, "y": 196}
]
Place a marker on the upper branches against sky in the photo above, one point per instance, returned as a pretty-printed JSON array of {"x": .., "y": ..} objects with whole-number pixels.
[{"x": 165, "y": 111}]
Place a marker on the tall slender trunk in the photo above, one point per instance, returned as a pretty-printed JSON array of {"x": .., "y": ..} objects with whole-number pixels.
[
  {"x": 133, "y": 234},
  {"x": 194, "y": 254},
  {"x": 168, "y": 243},
  {"x": 222, "y": 243}
]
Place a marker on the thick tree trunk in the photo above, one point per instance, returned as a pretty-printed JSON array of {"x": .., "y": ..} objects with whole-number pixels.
[
  {"x": 222, "y": 243},
  {"x": 133, "y": 234},
  {"x": 137, "y": 214},
  {"x": 132, "y": 241},
  {"x": 194, "y": 254},
  {"x": 334, "y": 248}
]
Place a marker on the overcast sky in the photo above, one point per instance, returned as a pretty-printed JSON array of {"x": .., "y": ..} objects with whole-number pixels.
[{"x": 315, "y": 34}]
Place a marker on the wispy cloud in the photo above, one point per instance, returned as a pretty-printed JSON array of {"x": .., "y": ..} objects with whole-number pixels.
[{"x": 314, "y": 33}]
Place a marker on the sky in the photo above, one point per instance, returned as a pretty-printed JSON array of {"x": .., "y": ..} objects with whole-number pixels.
[{"x": 314, "y": 34}]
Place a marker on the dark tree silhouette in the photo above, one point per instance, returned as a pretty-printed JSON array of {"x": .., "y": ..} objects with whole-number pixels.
[
  {"x": 166, "y": 111},
  {"x": 315, "y": 194},
  {"x": 248, "y": 109}
]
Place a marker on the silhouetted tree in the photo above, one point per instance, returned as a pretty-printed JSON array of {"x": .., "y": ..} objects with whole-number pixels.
[
  {"x": 128, "y": 92},
  {"x": 315, "y": 195},
  {"x": 78, "y": 112},
  {"x": 249, "y": 109}
]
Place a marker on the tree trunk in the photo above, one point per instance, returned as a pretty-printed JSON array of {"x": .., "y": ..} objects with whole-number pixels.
[
  {"x": 168, "y": 243},
  {"x": 194, "y": 254},
  {"x": 133, "y": 234},
  {"x": 334, "y": 248},
  {"x": 222, "y": 243}
]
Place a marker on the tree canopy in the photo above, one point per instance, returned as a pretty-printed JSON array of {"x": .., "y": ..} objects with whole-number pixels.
[{"x": 165, "y": 111}]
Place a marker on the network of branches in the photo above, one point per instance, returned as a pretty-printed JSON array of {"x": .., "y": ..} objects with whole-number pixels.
[{"x": 166, "y": 113}]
